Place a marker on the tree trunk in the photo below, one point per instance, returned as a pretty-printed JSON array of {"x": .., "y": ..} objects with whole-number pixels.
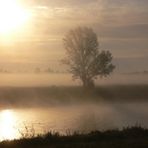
[{"x": 88, "y": 83}]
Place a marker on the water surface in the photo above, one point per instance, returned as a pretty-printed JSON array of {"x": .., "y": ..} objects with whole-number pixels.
[{"x": 15, "y": 123}]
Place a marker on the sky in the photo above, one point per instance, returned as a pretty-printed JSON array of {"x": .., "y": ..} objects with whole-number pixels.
[{"x": 121, "y": 26}]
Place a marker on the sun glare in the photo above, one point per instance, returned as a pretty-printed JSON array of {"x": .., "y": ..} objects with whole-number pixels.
[
  {"x": 12, "y": 16},
  {"x": 7, "y": 123}
]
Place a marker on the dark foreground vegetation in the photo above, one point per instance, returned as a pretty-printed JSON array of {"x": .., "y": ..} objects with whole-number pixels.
[
  {"x": 53, "y": 95},
  {"x": 134, "y": 137}
]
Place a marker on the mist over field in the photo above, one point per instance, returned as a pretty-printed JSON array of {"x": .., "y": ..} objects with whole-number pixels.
[
  {"x": 74, "y": 73},
  {"x": 65, "y": 79}
]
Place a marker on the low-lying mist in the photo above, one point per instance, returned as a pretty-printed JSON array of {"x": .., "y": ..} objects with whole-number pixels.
[
  {"x": 48, "y": 102},
  {"x": 47, "y": 79},
  {"x": 81, "y": 117},
  {"x": 67, "y": 95}
]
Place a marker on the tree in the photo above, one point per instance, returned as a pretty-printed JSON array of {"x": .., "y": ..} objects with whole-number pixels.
[{"x": 84, "y": 59}]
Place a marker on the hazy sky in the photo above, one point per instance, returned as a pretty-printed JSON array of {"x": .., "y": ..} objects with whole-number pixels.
[{"x": 121, "y": 26}]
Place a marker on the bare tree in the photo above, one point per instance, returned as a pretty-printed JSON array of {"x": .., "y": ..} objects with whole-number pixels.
[{"x": 84, "y": 59}]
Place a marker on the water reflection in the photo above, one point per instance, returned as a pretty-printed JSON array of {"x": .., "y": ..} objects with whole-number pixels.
[
  {"x": 7, "y": 125},
  {"x": 85, "y": 117}
]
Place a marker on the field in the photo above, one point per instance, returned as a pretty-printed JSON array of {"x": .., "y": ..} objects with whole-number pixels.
[{"x": 53, "y": 95}]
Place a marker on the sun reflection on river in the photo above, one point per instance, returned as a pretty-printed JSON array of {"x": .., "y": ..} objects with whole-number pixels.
[{"x": 7, "y": 125}]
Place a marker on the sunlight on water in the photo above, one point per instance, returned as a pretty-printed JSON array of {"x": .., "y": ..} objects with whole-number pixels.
[
  {"x": 28, "y": 122},
  {"x": 7, "y": 125}
]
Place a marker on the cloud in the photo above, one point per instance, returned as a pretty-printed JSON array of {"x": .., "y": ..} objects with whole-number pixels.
[
  {"x": 59, "y": 3},
  {"x": 121, "y": 25},
  {"x": 134, "y": 31}
]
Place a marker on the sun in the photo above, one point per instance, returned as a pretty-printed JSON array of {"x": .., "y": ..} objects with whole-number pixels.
[{"x": 12, "y": 16}]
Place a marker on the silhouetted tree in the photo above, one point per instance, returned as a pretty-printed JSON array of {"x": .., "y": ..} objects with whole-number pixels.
[{"x": 84, "y": 59}]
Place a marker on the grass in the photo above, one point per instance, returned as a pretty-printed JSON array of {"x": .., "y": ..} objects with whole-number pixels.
[
  {"x": 133, "y": 137},
  {"x": 46, "y": 96}
]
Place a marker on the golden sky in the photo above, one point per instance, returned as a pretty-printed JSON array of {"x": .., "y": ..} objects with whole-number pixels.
[{"x": 121, "y": 26}]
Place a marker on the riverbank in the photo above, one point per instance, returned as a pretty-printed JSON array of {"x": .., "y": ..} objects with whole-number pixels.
[{"x": 133, "y": 137}]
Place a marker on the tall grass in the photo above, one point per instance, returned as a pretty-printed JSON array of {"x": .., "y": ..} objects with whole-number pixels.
[{"x": 130, "y": 137}]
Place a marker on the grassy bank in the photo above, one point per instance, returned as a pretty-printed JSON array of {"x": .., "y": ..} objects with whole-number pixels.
[
  {"x": 134, "y": 137},
  {"x": 46, "y": 96}
]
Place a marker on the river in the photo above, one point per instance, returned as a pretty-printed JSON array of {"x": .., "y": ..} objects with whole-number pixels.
[{"x": 16, "y": 123}]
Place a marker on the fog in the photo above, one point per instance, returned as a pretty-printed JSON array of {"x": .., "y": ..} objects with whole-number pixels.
[
  {"x": 31, "y": 79},
  {"x": 54, "y": 102},
  {"x": 38, "y": 95}
]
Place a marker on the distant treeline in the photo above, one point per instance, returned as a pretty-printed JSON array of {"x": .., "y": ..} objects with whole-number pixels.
[
  {"x": 33, "y": 70},
  {"x": 137, "y": 72},
  {"x": 38, "y": 70}
]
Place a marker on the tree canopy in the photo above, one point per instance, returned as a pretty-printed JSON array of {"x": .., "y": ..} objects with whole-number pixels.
[{"x": 84, "y": 58}]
